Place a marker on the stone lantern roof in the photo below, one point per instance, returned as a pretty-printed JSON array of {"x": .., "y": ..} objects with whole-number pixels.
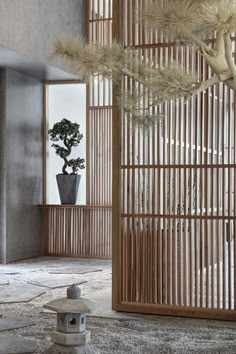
[
  {"x": 66, "y": 305},
  {"x": 73, "y": 303}
]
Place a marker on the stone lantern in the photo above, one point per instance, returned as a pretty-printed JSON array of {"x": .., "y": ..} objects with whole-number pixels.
[{"x": 71, "y": 336}]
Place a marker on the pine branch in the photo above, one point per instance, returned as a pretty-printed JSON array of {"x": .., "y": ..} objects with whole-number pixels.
[
  {"x": 220, "y": 44},
  {"x": 204, "y": 48},
  {"x": 204, "y": 85},
  {"x": 229, "y": 57}
]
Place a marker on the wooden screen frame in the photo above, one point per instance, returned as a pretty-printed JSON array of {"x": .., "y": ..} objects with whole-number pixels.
[
  {"x": 117, "y": 303},
  {"x": 73, "y": 230}
]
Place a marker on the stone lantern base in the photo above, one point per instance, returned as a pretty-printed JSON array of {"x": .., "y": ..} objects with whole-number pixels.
[{"x": 61, "y": 349}]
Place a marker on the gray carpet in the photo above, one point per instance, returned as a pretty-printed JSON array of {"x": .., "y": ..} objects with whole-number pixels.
[
  {"x": 115, "y": 336},
  {"x": 153, "y": 337}
]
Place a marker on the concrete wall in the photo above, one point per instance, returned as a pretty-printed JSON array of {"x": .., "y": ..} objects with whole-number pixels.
[
  {"x": 23, "y": 155},
  {"x": 27, "y": 27},
  {"x": 30, "y": 26}
]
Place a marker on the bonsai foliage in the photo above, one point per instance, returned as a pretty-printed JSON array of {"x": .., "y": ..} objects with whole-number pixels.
[
  {"x": 68, "y": 133},
  {"x": 208, "y": 25}
]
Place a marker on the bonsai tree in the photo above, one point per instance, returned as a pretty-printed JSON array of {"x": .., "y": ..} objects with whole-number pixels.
[
  {"x": 69, "y": 134},
  {"x": 209, "y": 25}
]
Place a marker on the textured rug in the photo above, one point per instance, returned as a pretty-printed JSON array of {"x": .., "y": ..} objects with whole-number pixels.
[
  {"x": 114, "y": 336},
  {"x": 166, "y": 335}
]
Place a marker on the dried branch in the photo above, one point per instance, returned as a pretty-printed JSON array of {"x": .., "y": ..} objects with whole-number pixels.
[
  {"x": 204, "y": 48},
  {"x": 204, "y": 85},
  {"x": 115, "y": 61},
  {"x": 190, "y": 19},
  {"x": 229, "y": 56},
  {"x": 220, "y": 44}
]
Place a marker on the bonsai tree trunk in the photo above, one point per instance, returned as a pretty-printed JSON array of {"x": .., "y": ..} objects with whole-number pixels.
[{"x": 65, "y": 166}]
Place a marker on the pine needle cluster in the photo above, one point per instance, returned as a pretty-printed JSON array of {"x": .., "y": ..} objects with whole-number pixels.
[{"x": 191, "y": 21}]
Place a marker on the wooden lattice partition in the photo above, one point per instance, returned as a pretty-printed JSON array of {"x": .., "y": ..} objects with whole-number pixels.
[
  {"x": 174, "y": 192},
  {"x": 99, "y": 124}
]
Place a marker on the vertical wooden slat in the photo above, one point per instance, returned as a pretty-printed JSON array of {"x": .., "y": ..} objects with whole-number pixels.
[
  {"x": 116, "y": 221},
  {"x": 45, "y": 142},
  {"x": 67, "y": 233}
]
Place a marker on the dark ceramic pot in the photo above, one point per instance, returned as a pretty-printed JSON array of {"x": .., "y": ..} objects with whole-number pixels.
[{"x": 68, "y": 186}]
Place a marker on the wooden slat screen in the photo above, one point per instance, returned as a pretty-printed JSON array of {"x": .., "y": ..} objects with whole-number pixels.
[
  {"x": 77, "y": 231},
  {"x": 99, "y": 160},
  {"x": 177, "y": 240}
]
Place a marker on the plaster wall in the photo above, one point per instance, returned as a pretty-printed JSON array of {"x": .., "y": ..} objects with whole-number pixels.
[
  {"x": 30, "y": 26},
  {"x": 23, "y": 154}
]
